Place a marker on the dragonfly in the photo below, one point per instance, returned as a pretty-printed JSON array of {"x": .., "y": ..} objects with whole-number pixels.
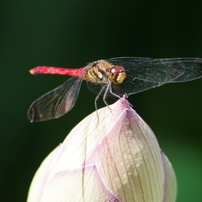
[{"x": 111, "y": 77}]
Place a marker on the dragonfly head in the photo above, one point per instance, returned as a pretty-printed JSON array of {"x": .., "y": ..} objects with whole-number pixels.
[{"x": 117, "y": 74}]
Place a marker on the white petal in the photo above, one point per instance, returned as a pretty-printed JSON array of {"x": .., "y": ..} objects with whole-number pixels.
[
  {"x": 130, "y": 160},
  {"x": 40, "y": 179},
  {"x": 121, "y": 157}
]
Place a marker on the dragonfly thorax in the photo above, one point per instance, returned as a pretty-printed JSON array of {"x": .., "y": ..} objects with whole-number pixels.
[
  {"x": 103, "y": 72},
  {"x": 97, "y": 72}
]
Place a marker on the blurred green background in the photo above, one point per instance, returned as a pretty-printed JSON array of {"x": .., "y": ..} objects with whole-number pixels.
[{"x": 73, "y": 33}]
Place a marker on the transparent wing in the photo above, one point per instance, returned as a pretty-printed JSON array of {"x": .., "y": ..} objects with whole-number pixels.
[
  {"x": 146, "y": 73},
  {"x": 56, "y": 102}
]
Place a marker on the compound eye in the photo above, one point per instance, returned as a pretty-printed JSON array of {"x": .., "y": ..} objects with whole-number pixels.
[{"x": 117, "y": 74}]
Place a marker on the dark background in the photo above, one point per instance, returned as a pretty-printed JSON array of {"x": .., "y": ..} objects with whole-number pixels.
[{"x": 72, "y": 33}]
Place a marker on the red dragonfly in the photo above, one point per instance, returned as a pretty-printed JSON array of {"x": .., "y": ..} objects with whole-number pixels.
[{"x": 116, "y": 77}]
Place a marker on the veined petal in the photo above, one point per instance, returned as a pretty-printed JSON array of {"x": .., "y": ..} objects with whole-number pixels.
[
  {"x": 170, "y": 188},
  {"x": 77, "y": 185}
]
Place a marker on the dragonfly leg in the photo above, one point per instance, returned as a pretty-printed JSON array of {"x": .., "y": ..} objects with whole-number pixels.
[
  {"x": 114, "y": 94},
  {"x": 98, "y": 95},
  {"x": 96, "y": 99},
  {"x": 108, "y": 89}
]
